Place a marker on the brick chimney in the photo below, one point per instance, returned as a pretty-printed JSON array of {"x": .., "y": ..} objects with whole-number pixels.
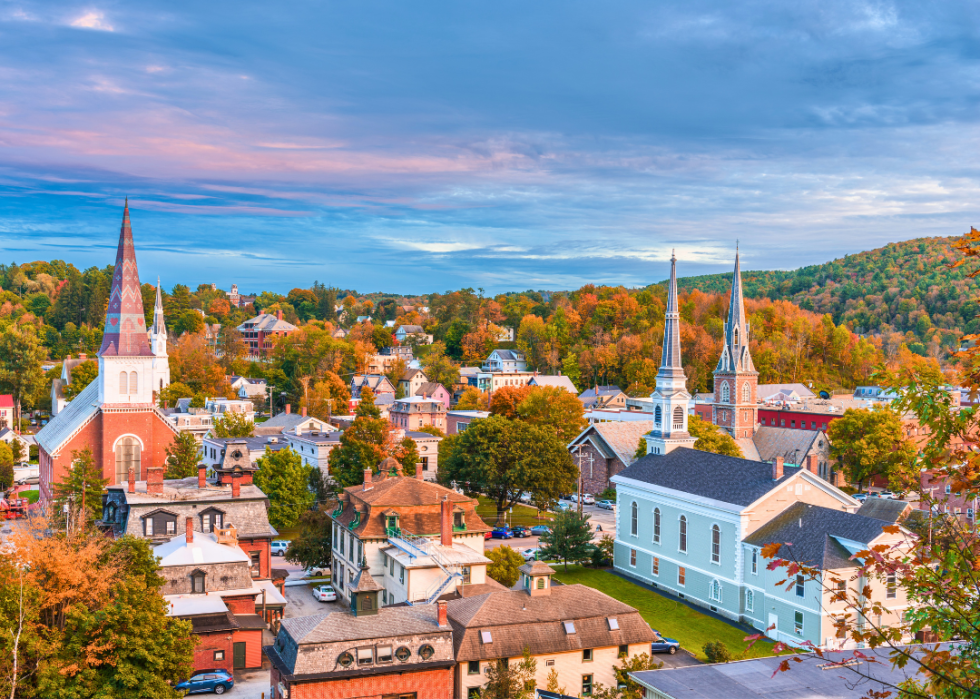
[
  {"x": 367, "y": 479},
  {"x": 303, "y": 411},
  {"x": 418, "y": 471},
  {"x": 202, "y": 472},
  {"x": 236, "y": 485},
  {"x": 811, "y": 463},
  {"x": 443, "y": 614},
  {"x": 777, "y": 468},
  {"x": 446, "y": 528},
  {"x": 189, "y": 530},
  {"x": 289, "y": 409},
  {"x": 132, "y": 480},
  {"x": 154, "y": 480},
  {"x": 83, "y": 356},
  {"x": 279, "y": 314}
]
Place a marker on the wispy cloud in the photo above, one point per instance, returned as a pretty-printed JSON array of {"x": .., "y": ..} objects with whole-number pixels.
[{"x": 92, "y": 19}]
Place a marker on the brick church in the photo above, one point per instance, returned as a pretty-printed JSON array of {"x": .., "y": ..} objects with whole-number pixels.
[{"x": 116, "y": 416}]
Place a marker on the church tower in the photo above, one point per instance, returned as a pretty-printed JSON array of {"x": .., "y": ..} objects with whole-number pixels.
[
  {"x": 670, "y": 398},
  {"x": 158, "y": 345},
  {"x": 736, "y": 379}
]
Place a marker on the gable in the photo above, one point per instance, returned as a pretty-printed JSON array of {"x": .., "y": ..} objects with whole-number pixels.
[{"x": 803, "y": 487}]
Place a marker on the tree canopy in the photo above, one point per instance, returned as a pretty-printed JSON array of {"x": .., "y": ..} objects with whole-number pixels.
[
  {"x": 869, "y": 443},
  {"x": 284, "y": 478}
]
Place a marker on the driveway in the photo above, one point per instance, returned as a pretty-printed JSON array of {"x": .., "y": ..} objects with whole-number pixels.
[
  {"x": 300, "y": 602},
  {"x": 679, "y": 659}
]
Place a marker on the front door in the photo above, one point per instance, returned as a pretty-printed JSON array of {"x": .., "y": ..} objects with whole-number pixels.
[
  {"x": 238, "y": 652},
  {"x": 773, "y": 626}
]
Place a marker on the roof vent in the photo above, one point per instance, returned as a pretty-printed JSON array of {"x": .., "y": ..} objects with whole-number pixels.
[
  {"x": 569, "y": 627},
  {"x": 486, "y": 637}
]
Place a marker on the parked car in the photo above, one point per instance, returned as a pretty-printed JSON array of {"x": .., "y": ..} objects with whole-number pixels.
[
  {"x": 487, "y": 535},
  {"x": 526, "y": 497},
  {"x": 588, "y": 499},
  {"x": 316, "y": 572},
  {"x": 562, "y": 507},
  {"x": 860, "y": 497},
  {"x": 540, "y": 529},
  {"x": 886, "y": 495},
  {"x": 567, "y": 496},
  {"x": 664, "y": 645},
  {"x": 520, "y": 532},
  {"x": 325, "y": 593},
  {"x": 531, "y": 554},
  {"x": 605, "y": 504},
  {"x": 278, "y": 547},
  {"x": 502, "y": 533},
  {"x": 217, "y": 681}
]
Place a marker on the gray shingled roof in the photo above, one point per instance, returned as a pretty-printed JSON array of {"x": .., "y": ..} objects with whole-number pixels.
[
  {"x": 726, "y": 478},
  {"x": 812, "y": 531},
  {"x": 790, "y": 444},
  {"x": 344, "y": 626},
  {"x": 883, "y": 509}
]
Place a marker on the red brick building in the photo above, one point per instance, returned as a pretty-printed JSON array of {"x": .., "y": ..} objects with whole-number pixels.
[
  {"x": 116, "y": 416},
  {"x": 604, "y": 449},
  {"x": 259, "y": 333}
]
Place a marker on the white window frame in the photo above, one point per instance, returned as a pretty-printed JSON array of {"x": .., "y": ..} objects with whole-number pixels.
[
  {"x": 634, "y": 519},
  {"x": 749, "y": 601},
  {"x": 716, "y": 546},
  {"x": 682, "y": 533},
  {"x": 656, "y": 525}
]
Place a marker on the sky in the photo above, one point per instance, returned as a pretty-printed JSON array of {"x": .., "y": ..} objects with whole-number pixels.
[{"x": 416, "y": 147}]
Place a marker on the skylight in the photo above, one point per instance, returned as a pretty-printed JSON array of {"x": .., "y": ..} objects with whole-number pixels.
[
  {"x": 613, "y": 624},
  {"x": 486, "y": 637},
  {"x": 569, "y": 626}
]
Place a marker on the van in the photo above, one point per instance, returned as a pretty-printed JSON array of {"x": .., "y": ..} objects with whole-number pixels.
[{"x": 279, "y": 547}]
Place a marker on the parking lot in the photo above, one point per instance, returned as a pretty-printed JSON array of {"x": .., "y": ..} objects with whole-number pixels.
[{"x": 606, "y": 519}]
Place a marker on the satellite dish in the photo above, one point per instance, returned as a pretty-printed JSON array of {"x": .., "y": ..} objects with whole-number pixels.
[{"x": 824, "y": 395}]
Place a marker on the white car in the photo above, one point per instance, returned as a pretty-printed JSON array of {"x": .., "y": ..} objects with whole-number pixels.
[
  {"x": 531, "y": 554},
  {"x": 588, "y": 499},
  {"x": 278, "y": 547},
  {"x": 325, "y": 593}
]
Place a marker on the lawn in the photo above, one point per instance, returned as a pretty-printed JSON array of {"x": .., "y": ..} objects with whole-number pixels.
[
  {"x": 521, "y": 515},
  {"x": 30, "y": 495},
  {"x": 668, "y": 616}
]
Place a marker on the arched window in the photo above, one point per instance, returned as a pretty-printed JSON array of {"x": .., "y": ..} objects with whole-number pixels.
[
  {"x": 714, "y": 591},
  {"x": 128, "y": 452},
  {"x": 725, "y": 395},
  {"x": 133, "y": 383},
  {"x": 682, "y": 535},
  {"x": 749, "y": 600},
  {"x": 656, "y": 526},
  {"x": 746, "y": 393},
  {"x": 633, "y": 519},
  {"x": 678, "y": 418},
  {"x": 715, "y": 544},
  {"x": 657, "y": 416},
  {"x": 123, "y": 383},
  {"x": 735, "y": 336}
]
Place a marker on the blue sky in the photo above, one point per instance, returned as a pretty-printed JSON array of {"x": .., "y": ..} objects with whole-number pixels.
[{"x": 426, "y": 146}]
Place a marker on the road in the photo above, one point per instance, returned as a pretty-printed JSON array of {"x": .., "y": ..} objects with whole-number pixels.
[{"x": 606, "y": 519}]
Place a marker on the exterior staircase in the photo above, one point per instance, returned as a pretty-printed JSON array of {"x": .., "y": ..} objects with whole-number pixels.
[{"x": 420, "y": 547}]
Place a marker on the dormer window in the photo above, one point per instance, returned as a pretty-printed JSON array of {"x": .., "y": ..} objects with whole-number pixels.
[
  {"x": 211, "y": 519},
  {"x": 198, "y": 582},
  {"x": 458, "y": 521}
]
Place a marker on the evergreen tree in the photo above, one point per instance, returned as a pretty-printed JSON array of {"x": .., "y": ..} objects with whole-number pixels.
[
  {"x": 182, "y": 456},
  {"x": 82, "y": 483},
  {"x": 284, "y": 478},
  {"x": 569, "y": 539}
]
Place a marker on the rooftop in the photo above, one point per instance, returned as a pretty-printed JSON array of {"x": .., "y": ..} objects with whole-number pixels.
[
  {"x": 202, "y": 551},
  {"x": 344, "y": 626},
  {"x": 792, "y": 445},
  {"x": 186, "y": 490}
]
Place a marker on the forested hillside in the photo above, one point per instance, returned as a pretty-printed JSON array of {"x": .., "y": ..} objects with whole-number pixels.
[{"x": 904, "y": 292}]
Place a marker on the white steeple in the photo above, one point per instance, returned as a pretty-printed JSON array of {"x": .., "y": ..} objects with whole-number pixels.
[{"x": 158, "y": 344}]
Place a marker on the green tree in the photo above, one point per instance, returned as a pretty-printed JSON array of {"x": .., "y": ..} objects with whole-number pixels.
[
  {"x": 190, "y": 322},
  {"x": 81, "y": 376},
  {"x": 711, "y": 438},
  {"x": 503, "y": 458},
  {"x": 870, "y": 443},
  {"x": 182, "y": 456},
  {"x": 511, "y": 680},
  {"x": 172, "y": 393},
  {"x": 21, "y": 354},
  {"x": 570, "y": 368},
  {"x": 439, "y": 368},
  {"x": 311, "y": 548},
  {"x": 366, "y": 443},
  {"x": 6, "y": 466},
  {"x": 82, "y": 484},
  {"x": 18, "y": 452},
  {"x": 555, "y": 409},
  {"x": 602, "y": 556},
  {"x": 233, "y": 425},
  {"x": 504, "y": 562},
  {"x": 630, "y": 689},
  {"x": 569, "y": 539},
  {"x": 284, "y": 478}
]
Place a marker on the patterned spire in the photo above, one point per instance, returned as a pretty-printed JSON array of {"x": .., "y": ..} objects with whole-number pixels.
[
  {"x": 158, "y": 324},
  {"x": 125, "y": 327},
  {"x": 671, "y": 355},
  {"x": 735, "y": 355}
]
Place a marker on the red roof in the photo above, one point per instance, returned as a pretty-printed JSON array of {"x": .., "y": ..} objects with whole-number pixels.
[{"x": 6, "y": 401}]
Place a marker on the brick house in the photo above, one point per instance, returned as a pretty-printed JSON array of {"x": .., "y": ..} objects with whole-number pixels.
[
  {"x": 604, "y": 449},
  {"x": 259, "y": 333},
  {"x": 954, "y": 504},
  {"x": 458, "y": 420},
  {"x": 416, "y": 412}
]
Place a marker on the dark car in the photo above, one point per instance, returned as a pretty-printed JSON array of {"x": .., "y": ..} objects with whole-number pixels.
[
  {"x": 217, "y": 681},
  {"x": 664, "y": 645},
  {"x": 540, "y": 529},
  {"x": 503, "y": 533},
  {"x": 520, "y": 532}
]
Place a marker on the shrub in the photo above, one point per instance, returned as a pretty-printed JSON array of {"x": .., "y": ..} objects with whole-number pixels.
[{"x": 717, "y": 652}]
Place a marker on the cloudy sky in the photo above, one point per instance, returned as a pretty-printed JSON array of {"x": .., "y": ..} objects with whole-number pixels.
[{"x": 424, "y": 146}]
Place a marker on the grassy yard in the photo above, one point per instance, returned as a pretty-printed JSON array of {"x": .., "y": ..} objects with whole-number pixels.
[
  {"x": 288, "y": 533},
  {"x": 670, "y": 617},
  {"x": 522, "y": 515}
]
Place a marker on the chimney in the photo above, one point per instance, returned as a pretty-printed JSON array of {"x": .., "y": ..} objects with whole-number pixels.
[
  {"x": 154, "y": 480},
  {"x": 202, "y": 472},
  {"x": 279, "y": 314},
  {"x": 189, "y": 529},
  {"x": 236, "y": 485},
  {"x": 289, "y": 409},
  {"x": 132, "y": 480},
  {"x": 418, "y": 471},
  {"x": 367, "y": 479},
  {"x": 303, "y": 410},
  {"x": 811, "y": 463},
  {"x": 777, "y": 468},
  {"x": 446, "y": 530},
  {"x": 83, "y": 356},
  {"x": 443, "y": 615}
]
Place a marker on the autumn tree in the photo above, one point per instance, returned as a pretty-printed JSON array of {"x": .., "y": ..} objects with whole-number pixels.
[
  {"x": 283, "y": 477},
  {"x": 439, "y": 368},
  {"x": 472, "y": 398},
  {"x": 366, "y": 443},
  {"x": 233, "y": 424},
  {"x": 869, "y": 443},
  {"x": 553, "y": 408},
  {"x": 504, "y": 562},
  {"x": 81, "y": 376},
  {"x": 326, "y": 397},
  {"x": 21, "y": 354},
  {"x": 231, "y": 348},
  {"x": 505, "y": 400},
  {"x": 182, "y": 456},
  {"x": 712, "y": 438}
]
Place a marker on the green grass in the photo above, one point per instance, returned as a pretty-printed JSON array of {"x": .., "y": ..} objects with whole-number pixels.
[
  {"x": 30, "y": 495},
  {"x": 522, "y": 515},
  {"x": 670, "y": 617}
]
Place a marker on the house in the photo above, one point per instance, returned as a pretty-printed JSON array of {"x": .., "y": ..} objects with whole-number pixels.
[
  {"x": 780, "y": 393},
  {"x": 412, "y": 333},
  {"x": 339, "y": 334},
  {"x": 314, "y": 446},
  {"x": 489, "y": 381},
  {"x": 415, "y": 412},
  {"x": 458, "y": 420},
  {"x": 209, "y": 583},
  {"x": 212, "y": 332},
  {"x": 288, "y": 420},
  {"x": 411, "y": 381},
  {"x": 116, "y": 416},
  {"x": 603, "y": 397},
  {"x": 604, "y": 449},
  {"x": 58, "y": 399},
  {"x": 795, "y": 447},
  {"x": 576, "y": 631},
  {"x": 216, "y": 451},
  {"x": 890, "y": 511},
  {"x": 197, "y": 421},
  {"x": 505, "y": 334},
  {"x": 957, "y": 504},
  {"x": 435, "y": 391},
  {"x": 505, "y": 361},
  {"x": 7, "y": 410},
  {"x": 249, "y": 389},
  {"x": 219, "y": 406},
  {"x": 378, "y": 383},
  {"x": 8, "y": 436},
  {"x": 259, "y": 333},
  {"x": 427, "y": 446},
  {"x": 559, "y": 381},
  {"x": 365, "y": 651},
  {"x": 401, "y": 352}
]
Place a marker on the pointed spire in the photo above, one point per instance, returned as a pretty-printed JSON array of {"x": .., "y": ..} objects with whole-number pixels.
[
  {"x": 670, "y": 357},
  {"x": 736, "y": 327},
  {"x": 125, "y": 327},
  {"x": 159, "y": 326}
]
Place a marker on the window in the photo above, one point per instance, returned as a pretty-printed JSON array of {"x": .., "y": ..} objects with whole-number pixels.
[
  {"x": 633, "y": 557},
  {"x": 613, "y": 623},
  {"x": 656, "y": 526},
  {"x": 682, "y": 535},
  {"x": 486, "y": 637},
  {"x": 587, "y": 655},
  {"x": 205, "y": 523},
  {"x": 746, "y": 393},
  {"x": 725, "y": 395},
  {"x": 656, "y": 566},
  {"x": 678, "y": 418},
  {"x": 633, "y": 519},
  {"x": 256, "y": 563},
  {"x": 473, "y": 667},
  {"x": 473, "y": 692},
  {"x": 128, "y": 452},
  {"x": 891, "y": 586},
  {"x": 365, "y": 656},
  {"x": 749, "y": 600},
  {"x": 569, "y": 627},
  {"x": 842, "y": 587},
  {"x": 133, "y": 384},
  {"x": 755, "y": 562},
  {"x": 623, "y": 651},
  {"x": 466, "y": 575},
  {"x": 714, "y": 591},
  {"x": 798, "y": 623},
  {"x": 360, "y": 551},
  {"x": 681, "y": 574},
  {"x": 540, "y": 583},
  {"x": 197, "y": 582},
  {"x": 657, "y": 416},
  {"x": 148, "y": 526},
  {"x": 586, "y": 685},
  {"x": 384, "y": 654},
  {"x": 123, "y": 383},
  {"x": 949, "y": 489},
  {"x": 716, "y": 544},
  {"x": 799, "y": 586},
  {"x": 219, "y": 655},
  {"x": 401, "y": 573},
  {"x": 171, "y": 527}
]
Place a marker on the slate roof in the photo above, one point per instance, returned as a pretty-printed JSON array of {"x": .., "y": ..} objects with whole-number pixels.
[
  {"x": 556, "y": 381},
  {"x": 726, "y": 478},
  {"x": 790, "y": 444},
  {"x": 517, "y": 620},
  {"x": 509, "y": 355},
  {"x": 620, "y": 438},
  {"x": 344, "y": 626},
  {"x": 814, "y": 532},
  {"x": 203, "y": 550},
  {"x": 410, "y": 329},
  {"x": 886, "y": 510},
  {"x": 603, "y": 391},
  {"x": 266, "y": 323},
  {"x": 765, "y": 390},
  {"x": 70, "y": 419},
  {"x": 429, "y": 388},
  {"x": 749, "y": 450}
]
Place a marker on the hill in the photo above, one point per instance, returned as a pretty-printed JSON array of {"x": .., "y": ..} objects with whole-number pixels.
[{"x": 904, "y": 292}]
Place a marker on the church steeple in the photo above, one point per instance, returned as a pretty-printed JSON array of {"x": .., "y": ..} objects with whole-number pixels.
[
  {"x": 158, "y": 343},
  {"x": 159, "y": 327},
  {"x": 125, "y": 327},
  {"x": 735, "y": 355},
  {"x": 670, "y": 356}
]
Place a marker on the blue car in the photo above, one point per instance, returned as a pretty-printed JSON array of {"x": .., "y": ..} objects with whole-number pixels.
[
  {"x": 502, "y": 533},
  {"x": 539, "y": 530},
  {"x": 664, "y": 645},
  {"x": 217, "y": 681}
]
